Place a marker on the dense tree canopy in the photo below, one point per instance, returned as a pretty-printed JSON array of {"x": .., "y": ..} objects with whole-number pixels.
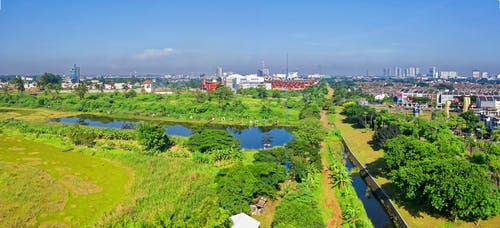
[
  {"x": 152, "y": 137},
  {"x": 208, "y": 140},
  {"x": 49, "y": 80}
]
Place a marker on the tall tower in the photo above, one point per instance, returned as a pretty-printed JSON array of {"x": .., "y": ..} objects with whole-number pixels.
[
  {"x": 75, "y": 74},
  {"x": 220, "y": 73}
]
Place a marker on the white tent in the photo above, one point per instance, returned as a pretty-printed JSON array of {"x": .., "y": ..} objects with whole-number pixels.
[{"x": 242, "y": 220}]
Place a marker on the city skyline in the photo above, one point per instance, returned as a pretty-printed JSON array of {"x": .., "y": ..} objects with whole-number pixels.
[{"x": 331, "y": 37}]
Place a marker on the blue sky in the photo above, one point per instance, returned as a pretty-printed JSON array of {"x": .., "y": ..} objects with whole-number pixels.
[{"x": 174, "y": 36}]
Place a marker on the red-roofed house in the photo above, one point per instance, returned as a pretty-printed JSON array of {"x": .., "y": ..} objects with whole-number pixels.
[{"x": 148, "y": 86}]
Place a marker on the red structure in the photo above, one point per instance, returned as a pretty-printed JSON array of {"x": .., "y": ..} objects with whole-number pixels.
[
  {"x": 209, "y": 86},
  {"x": 292, "y": 84}
]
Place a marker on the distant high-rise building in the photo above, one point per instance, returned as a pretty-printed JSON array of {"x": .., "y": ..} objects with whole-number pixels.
[
  {"x": 387, "y": 72},
  {"x": 411, "y": 72},
  {"x": 220, "y": 73},
  {"x": 485, "y": 75},
  {"x": 264, "y": 72},
  {"x": 75, "y": 74},
  {"x": 476, "y": 74},
  {"x": 448, "y": 74},
  {"x": 433, "y": 72},
  {"x": 398, "y": 72}
]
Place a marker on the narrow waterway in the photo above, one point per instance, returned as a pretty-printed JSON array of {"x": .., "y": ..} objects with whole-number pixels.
[{"x": 375, "y": 211}]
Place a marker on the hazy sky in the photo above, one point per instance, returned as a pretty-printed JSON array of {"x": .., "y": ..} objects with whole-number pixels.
[{"x": 331, "y": 36}]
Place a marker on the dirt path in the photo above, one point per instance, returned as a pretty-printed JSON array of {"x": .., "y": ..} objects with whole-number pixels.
[{"x": 326, "y": 188}]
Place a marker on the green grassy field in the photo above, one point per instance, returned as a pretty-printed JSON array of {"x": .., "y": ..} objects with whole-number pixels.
[
  {"x": 41, "y": 185},
  {"x": 161, "y": 190},
  {"x": 414, "y": 215},
  {"x": 173, "y": 108}
]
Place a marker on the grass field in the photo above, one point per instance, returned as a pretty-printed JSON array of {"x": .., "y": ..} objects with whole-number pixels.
[
  {"x": 172, "y": 108},
  {"x": 30, "y": 114},
  {"x": 161, "y": 190},
  {"x": 414, "y": 215},
  {"x": 41, "y": 185}
]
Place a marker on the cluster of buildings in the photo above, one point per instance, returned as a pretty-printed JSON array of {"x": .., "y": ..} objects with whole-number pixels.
[
  {"x": 484, "y": 99},
  {"x": 263, "y": 78},
  {"x": 434, "y": 73}
]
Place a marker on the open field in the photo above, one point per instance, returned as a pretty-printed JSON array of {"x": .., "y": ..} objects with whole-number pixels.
[
  {"x": 30, "y": 114},
  {"x": 161, "y": 189},
  {"x": 41, "y": 185},
  {"x": 414, "y": 215}
]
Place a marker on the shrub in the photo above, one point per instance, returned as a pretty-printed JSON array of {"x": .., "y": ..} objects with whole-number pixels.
[
  {"x": 80, "y": 136},
  {"x": 298, "y": 209},
  {"x": 210, "y": 140},
  {"x": 152, "y": 137}
]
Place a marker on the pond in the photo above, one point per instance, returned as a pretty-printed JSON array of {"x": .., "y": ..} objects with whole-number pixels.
[
  {"x": 375, "y": 211},
  {"x": 250, "y": 137}
]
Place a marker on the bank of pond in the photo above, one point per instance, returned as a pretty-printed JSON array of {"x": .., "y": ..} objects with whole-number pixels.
[{"x": 250, "y": 137}]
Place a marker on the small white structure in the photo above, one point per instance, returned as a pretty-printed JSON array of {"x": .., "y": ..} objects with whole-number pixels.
[
  {"x": 242, "y": 220},
  {"x": 148, "y": 86}
]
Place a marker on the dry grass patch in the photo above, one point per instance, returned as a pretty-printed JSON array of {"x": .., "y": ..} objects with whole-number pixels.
[
  {"x": 79, "y": 186},
  {"x": 25, "y": 192}
]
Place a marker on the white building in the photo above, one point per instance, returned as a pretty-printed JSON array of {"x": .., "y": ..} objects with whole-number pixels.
[
  {"x": 476, "y": 74},
  {"x": 148, "y": 86},
  {"x": 485, "y": 75},
  {"x": 448, "y": 74},
  {"x": 318, "y": 76},
  {"x": 291, "y": 75},
  {"x": 489, "y": 105},
  {"x": 236, "y": 81},
  {"x": 243, "y": 220}
]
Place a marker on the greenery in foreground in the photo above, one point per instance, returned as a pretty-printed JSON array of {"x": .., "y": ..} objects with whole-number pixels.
[
  {"x": 353, "y": 212},
  {"x": 172, "y": 188},
  {"x": 39, "y": 188},
  {"x": 455, "y": 176},
  {"x": 179, "y": 184}
]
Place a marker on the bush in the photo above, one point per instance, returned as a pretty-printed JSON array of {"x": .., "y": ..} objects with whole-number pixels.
[
  {"x": 298, "y": 209},
  {"x": 152, "y": 137},
  {"x": 210, "y": 140},
  {"x": 80, "y": 136}
]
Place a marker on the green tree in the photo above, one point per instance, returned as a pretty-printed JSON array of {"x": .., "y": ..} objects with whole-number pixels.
[
  {"x": 261, "y": 92},
  {"x": 471, "y": 120},
  {"x": 131, "y": 94},
  {"x": 310, "y": 111},
  {"x": 383, "y": 134},
  {"x": 222, "y": 93},
  {"x": 209, "y": 215},
  {"x": 18, "y": 83},
  {"x": 48, "y": 79},
  {"x": 236, "y": 188},
  {"x": 81, "y": 90},
  {"x": 208, "y": 140},
  {"x": 276, "y": 94},
  {"x": 402, "y": 149},
  {"x": 269, "y": 176},
  {"x": 152, "y": 137}
]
